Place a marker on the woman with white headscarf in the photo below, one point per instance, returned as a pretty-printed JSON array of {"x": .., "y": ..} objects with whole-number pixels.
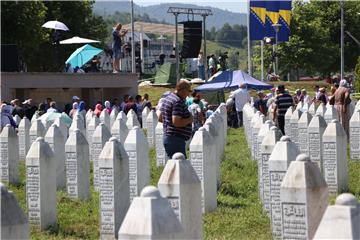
[
  {"x": 342, "y": 100},
  {"x": 107, "y": 107}
]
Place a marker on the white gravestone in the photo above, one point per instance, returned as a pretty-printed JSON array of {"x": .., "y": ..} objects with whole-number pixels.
[
  {"x": 304, "y": 198},
  {"x": 216, "y": 120},
  {"x": 122, "y": 115},
  {"x": 214, "y": 133},
  {"x": 253, "y": 121},
  {"x": 161, "y": 156},
  {"x": 62, "y": 126},
  {"x": 305, "y": 107},
  {"x": 119, "y": 130},
  {"x": 255, "y": 131},
  {"x": 79, "y": 115},
  {"x": 287, "y": 127},
  {"x": 41, "y": 185},
  {"x": 153, "y": 213},
  {"x": 284, "y": 152},
  {"x": 137, "y": 149},
  {"x": 180, "y": 184},
  {"x": 9, "y": 155},
  {"x": 303, "y": 124},
  {"x": 24, "y": 137},
  {"x": 77, "y": 166},
  {"x": 294, "y": 131},
  {"x": 36, "y": 130},
  {"x": 56, "y": 141},
  {"x": 113, "y": 188},
  {"x": 321, "y": 109},
  {"x": 335, "y": 169},
  {"x": 221, "y": 118},
  {"x": 105, "y": 118},
  {"x": 88, "y": 116},
  {"x": 342, "y": 220},
  {"x": 144, "y": 114},
  {"x": 355, "y": 135},
  {"x": 262, "y": 132},
  {"x": 113, "y": 115},
  {"x": 17, "y": 119},
  {"x": 312, "y": 109},
  {"x": 91, "y": 126},
  {"x": 249, "y": 113},
  {"x": 330, "y": 114},
  {"x": 299, "y": 106},
  {"x": 223, "y": 112},
  {"x": 267, "y": 146},
  {"x": 151, "y": 122},
  {"x": 34, "y": 117},
  {"x": 13, "y": 222},
  {"x": 100, "y": 137},
  {"x": 202, "y": 157},
  {"x": 132, "y": 120},
  {"x": 315, "y": 132},
  {"x": 77, "y": 123}
]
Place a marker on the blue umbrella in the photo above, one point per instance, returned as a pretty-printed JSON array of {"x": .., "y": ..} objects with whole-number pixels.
[{"x": 83, "y": 55}]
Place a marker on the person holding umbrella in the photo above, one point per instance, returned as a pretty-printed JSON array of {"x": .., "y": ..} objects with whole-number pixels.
[{"x": 116, "y": 46}]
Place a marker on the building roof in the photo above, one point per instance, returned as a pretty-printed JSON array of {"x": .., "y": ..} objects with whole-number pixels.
[{"x": 157, "y": 28}]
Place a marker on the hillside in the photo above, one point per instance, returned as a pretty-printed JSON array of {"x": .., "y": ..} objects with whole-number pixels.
[{"x": 159, "y": 12}]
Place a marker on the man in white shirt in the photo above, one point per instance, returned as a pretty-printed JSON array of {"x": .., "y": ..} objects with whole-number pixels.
[{"x": 241, "y": 97}]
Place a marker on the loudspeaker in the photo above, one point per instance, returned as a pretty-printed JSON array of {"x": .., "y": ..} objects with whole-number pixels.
[
  {"x": 192, "y": 39},
  {"x": 9, "y": 58}
]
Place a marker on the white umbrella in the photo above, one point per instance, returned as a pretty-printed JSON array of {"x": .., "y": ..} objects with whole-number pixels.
[
  {"x": 55, "y": 25},
  {"x": 76, "y": 39}
]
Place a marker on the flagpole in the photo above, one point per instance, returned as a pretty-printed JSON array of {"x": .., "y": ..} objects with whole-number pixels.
[
  {"x": 248, "y": 40},
  {"x": 262, "y": 60},
  {"x": 342, "y": 40},
  {"x": 133, "y": 64}
]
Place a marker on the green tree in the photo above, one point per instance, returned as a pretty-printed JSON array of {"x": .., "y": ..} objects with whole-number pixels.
[{"x": 357, "y": 75}]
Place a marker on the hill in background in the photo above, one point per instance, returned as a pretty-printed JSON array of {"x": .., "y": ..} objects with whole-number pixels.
[{"x": 159, "y": 12}]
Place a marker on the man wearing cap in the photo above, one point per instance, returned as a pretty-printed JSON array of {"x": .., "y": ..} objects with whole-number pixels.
[
  {"x": 176, "y": 119},
  {"x": 282, "y": 102},
  {"x": 30, "y": 109},
  {"x": 241, "y": 97}
]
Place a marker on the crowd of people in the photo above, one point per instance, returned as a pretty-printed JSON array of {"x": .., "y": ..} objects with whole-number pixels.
[{"x": 276, "y": 103}]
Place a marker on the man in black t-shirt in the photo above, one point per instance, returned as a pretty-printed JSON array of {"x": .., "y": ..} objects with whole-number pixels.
[{"x": 282, "y": 102}]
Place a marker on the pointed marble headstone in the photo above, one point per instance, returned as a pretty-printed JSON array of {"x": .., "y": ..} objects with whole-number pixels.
[
  {"x": 216, "y": 120},
  {"x": 88, "y": 116},
  {"x": 41, "y": 185},
  {"x": 161, "y": 156},
  {"x": 253, "y": 121},
  {"x": 354, "y": 135},
  {"x": 342, "y": 220},
  {"x": 24, "y": 137},
  {"x": 78, "y": 115},
  {"x": 62, "y": 126},
  {"x": 105, "y": 118},
  {"x": 9, "y": 155},
  {"x": 77, "y": 123},
  {"x": 330, "y": 114},
  {"x": 144, "y": 114},
  {"x": 119, "y": 130},
  {"x": 284, "y": 152},
  {"x": 77, "y": 166},
  {"x": 56, "y": 141},
  {"x": 316, "y": 130},
  {"x": 223, "y": 126},
  {"x": 312, "y": 109},
  {"x": 17, "y": 119},
  {"x": 13, "y": 222},
  {"x": 321, "y": 109},
  {"x": 91, "y": 126},
  {"x": 299, "y": 106},
  {"x": 249, "y": 114},
  {"x": 202, "y": 157},
  {"x": 113, "y": 115},
  {"x": 180, "y": 184},
  {"x": 122, "y": 115},
  {"x": 137, "y": 149},
  {"x": 132, "y": 120},
  {"x": 262, "y": 133},
  {"x": 267, "y": 146},
  {"x": 287, "y": 127},
  {"x": 99, "y": 138},
  {"x": 303, "y": 124},
  {"x": 151, "y": 122},
  {"x": 304, "y": 198},
  {"x": 335, "y": 169},
  {"x": 215, "y": 135},
  {"x": 294, "y": 132},
  {"x": 113, "y": 188},
  {"x": 35, "y": 117},
  {"x": 154, "y": 214},
  {"x": 223, "y": 112},
  {"x": 255, "y": 130},
  {"x": 36, "y": 130}
]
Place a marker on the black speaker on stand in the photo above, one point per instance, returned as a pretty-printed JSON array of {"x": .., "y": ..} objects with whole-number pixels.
[
  {"x": 9, "y": 58},
  {"x": 192, "y": 39}
]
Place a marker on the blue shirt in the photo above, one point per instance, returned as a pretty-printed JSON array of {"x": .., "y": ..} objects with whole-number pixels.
[
  {"x": 116, "y": 39},
  {"x": 173, "y": 105}
]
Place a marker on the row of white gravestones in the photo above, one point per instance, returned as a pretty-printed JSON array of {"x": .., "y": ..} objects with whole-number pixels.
[
  {"x": 303, "y": 197},
  {"x": 9, "y": 155},
  {"x": 203, "y": 160},
  {"x": 161, "y": 156},
  {"x": 303, "y": 124},
  {"x": 294, "y": 131},
  {"x": 354, "y": 137},
  {"x": 335, "y": 168},
  {"x": 284, "y": 152},
  {"x": 316, "y": 130},
  {"x": 113, "y": 187},
  {"x": 13, "y": 221},
  {"x": 137, "y": 149},
  {"x": 24, "y": 137},
  {"x": 267, "y": 146},
  {"x": 181, "y": 186},
  {"x": 41, "y": 185},
  {"x": 154, "y": 214},
  {"x": 151, "y": 122},
  {"x": 99, "y": 138},
  {"x": 77, "y": 166}
]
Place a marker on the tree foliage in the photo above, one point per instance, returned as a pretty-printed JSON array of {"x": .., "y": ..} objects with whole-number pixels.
[
  {"x": 357, "y": 76},
  {"x": 230, "y": 35}
]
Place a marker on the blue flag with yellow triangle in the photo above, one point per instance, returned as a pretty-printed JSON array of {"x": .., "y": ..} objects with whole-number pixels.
[{"x": 257, "y": 20}]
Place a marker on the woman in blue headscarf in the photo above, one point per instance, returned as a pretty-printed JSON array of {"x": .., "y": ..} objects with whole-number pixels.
[
  {"x": 6, "y": 117},
  {"x": 81, "y": 108}
]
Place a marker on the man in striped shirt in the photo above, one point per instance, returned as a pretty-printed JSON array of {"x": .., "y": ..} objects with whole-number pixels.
[
  {"x": 282, "y": 102},
  {"x": 176, "y": 119}
]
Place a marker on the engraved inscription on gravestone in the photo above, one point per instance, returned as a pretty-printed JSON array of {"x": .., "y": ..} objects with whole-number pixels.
[
  {"x": 314, "y": 148},
  {"x": 71, "y": 174},
  {"x": 95, "y": 153},
  {"x": 294, "y": 221},
  {"x": 276, "y": 178},
  {"x": 197, "y": 163},
  {"x": 303, "y": 143},
  {"x": 265, "y": 180},
  {"x": 33, "y": 194},
  {"x": 4, "y": 162},
  {"x": 132, "y": 174},
  {"x": 330, "y": 168},
  {"x": 355, "y": 143},
  {"x": 106, "y": 179}
]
